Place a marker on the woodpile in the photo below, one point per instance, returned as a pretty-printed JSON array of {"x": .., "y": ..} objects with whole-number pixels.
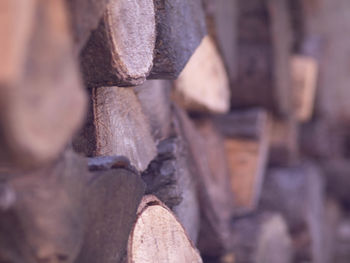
[{"x": 174, "y": 131}]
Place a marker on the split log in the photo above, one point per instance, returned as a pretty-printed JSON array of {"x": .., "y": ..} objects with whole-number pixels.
[
  {"x": 85, "y": 16},
  {"x": 157, "y": 236},
  {"x": 170, "y": 177},
  {"x": 215, "y": 202},
  {"x": 117, "y": 126},
  {"x": 284, "y": 144},
  {"x": 264, "y": 45},
  {"x": 298, "y": 193},
  {"x": 42, "y": 214},
  {"x": 203, "y": 84},
  {"x": 262, "y": 238},
  {"x": 180, "y": 28},
  {"x": 120, "y": 51},
  {"x": 113, "y": 195},
  {"x": 222, "y": 24},
  {"x": 154, "y": 96},
  {"x": 247, "y": 147},
  {"x": 304, "y": 75},
  {"x": 45, "y": 105}
]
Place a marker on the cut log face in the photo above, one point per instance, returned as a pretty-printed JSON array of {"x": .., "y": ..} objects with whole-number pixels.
[
  {"x": 264, "y": 45},
  {"x": 180, "y": 28},
  {"x": 215, "y": 203},
  {"x": 117, "y": 126},
  {"x": 158, "y": 236},
  {"x": 113, "y": 196},
  {"x": 44, "y": 107},
  {"x": 120, "y": 51},
  {"x": 45, "y": 220},
  {"x": 304, "y": 77},
  {"x": 304, "y": 212},
  {"x": 203, "y": 84},
  {"x": 247, "y": 147},
  {"x": 262, "y": 238},
  {"x": 154, "y": 96},
  {"x": 85, "y": 17}
]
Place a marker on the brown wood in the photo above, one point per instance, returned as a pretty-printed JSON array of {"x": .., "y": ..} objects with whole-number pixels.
[
  {"x": 264, "y": 46},
  {"x": 154, "y": 96},
  {"x": 117, "y": 126},
  {"x": 215, "y": 203},
  {"x": 247, "y": 136},
  {"x": 298, "y": 193},
  {"x": 180, "y": 28},
  {"x": 45, "y": 221},
  {"x": 85, "y": 16},
  {"x": 120, "y": 51},
  {"x": 157, "y": 236},
  {"x": 203, "y": 84},
  {"x": 262, "y": 238},
  {"x": 44, "y": 106},
  {"x": 304, "y": 76},
  {"x": 113, "y": 196}
]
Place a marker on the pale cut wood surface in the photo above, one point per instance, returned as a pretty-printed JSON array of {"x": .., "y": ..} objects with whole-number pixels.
[
  {"x": 203, "y": 84},
  {"x": 158, "y": 236},
  {"x": 45, "y": 106},
  {"x": 120, "y": 51},
  {"x": 304, "y": 71}
]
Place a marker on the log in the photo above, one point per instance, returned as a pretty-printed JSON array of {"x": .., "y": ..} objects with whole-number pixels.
[
  {"x": 85, "y": 16},
  {"x": 304, "y": 76},
  {"x": 36, "y": 117},
  {"x": 284, "y": 144},
  {"x": 113, "y": 196},
  {"x": 215, "y": 202},
  {"x": 120, "y": 51},
  {"x": 298, "y": 194},
  {"x": 262, "y": 238},
  {"x": 264, "y": 45},
  {"x": 154, "y": 96},
  {"x": 42, "y": 214},
  {"x": 180, "y": 27},
  {"x": 170, "y": 177},
  {"x": 116, "y": 125},
  {"x": 157, "y": 236},
  {"x": 247, "y": 149},
  {"x": 203, "y": 84},
  {"x": 222, "y": 24}
]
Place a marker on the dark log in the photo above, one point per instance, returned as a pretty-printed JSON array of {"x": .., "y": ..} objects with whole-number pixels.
[
  {"x": 85, "y": 16},
  {"x": 203, "y": 84},
  {"x": 215, "y": 203},
  {"x": 42, "y": 217},
  {"x": 116, "y": 125},
  {"x": 180, "y": 28},
  {"x": 298, "y": 194},
  {"x": 263, "y": 238},
  {"x": 264, "y": 45},
  {"x": 113, "y": 196},
  {"x": 120, "y": 51},
  {"x": 44, "y": 106},
  {"x": 154, "y": 96}
]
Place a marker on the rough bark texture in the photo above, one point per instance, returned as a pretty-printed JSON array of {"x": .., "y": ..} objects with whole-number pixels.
[
  {"x": 264, "y": 45},
  {"x": 117, "y": 126},
  {"x": 203, "y": 84},
  {"x": 45, "y": 105},
  {"x": 180, "y": 28},
  {"x": 157, "y": 236},
  {"x": 120, "y": 51}
]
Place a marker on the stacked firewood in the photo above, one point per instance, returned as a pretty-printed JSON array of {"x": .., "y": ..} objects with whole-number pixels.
[{"x": 174, "y": 131}]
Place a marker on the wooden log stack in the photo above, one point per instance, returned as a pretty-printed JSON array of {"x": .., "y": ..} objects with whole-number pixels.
[{"x": 174, "y": 131}]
